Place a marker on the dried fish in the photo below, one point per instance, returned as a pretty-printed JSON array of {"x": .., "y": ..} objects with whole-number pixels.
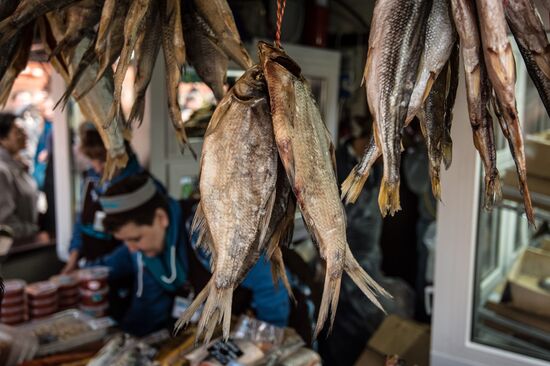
[
  {"x": 439, "y": 41},
  {"x": 395, "y": 46},
  {"x": 501, "y": 69},
  {"x": 528, "y": 30},
  {"x": 452, "y": 87},
  {"x": 238, "y": 189},
  {"x": 173, "y": 46},
  {"x": 203, "y": 53},
  {"x": 146, "y": 55},
  {"x": 218, "y": 16},
  {"x": 477, "y": 94},
  {"x": 307, "y": 153}
]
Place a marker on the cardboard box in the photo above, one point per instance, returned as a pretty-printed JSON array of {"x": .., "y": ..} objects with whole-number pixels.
[
  {"x": 537, "y": 154},
  {"x": 539, "y": 188},
  {"x": 529, "y": 269},
  {"x": 545, "y": 244},
  {"x": 397, "y": 336}
]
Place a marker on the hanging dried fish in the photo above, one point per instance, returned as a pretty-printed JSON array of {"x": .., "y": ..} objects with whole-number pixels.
[
  {"x": 501, "y": 69},
  {"x": 147, "y": 50},
  {"x": 203, "y": 53},
  {"x": 452, "y": 87},
  {"x": 307, "y": 153},
  {"x": 81, "y": 19},
  {"x": 173, "y": 47},
  {"x": 236, "y": 199},
  {"x": 219, "y": 17},
  {"x": 439, "y": 41},
  {"x": 478, "y": 90},
  {"x": 528, "y": 30},
  {"x": 18, "y": 62},
  {"x": 395, "y": 46}
]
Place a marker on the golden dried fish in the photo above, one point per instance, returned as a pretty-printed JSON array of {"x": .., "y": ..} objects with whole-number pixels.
[
  {"x": 18, "y": 63},
  {"x": 501, "y": 68},
  {"x": 307, "y": 153},
  {"x": 81, "y": 18},
  {"x": 27, "y": 11},
  {"x": 219, "y": 17},
  {"x": 395, "y": 46},
  {"x": 236, "y": 198},
  {"x": 528, "y": 29},
  {"x": 105, "y": 20},
  {"x": 452, "y": 87},
  {"x": 439, "y": 40},
  {"x": 173, "y": 47},
  {"x": 134, "y": 25},
  {"x": 281, "y": 227},
  {"x": 147, "y": 50},
  {"x": 95, "y": 104},
  {"x": 432, "y": 123},
  {"x": 207, "y": 58},
  {"x": 353, "y": 184},
  {"x": 477, "y": 94},
  {"x": 109, "y": 46}
]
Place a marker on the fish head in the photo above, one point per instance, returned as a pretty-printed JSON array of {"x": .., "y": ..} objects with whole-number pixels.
[
  {"x": 269, "y": 53},
  {"x": 251, "y": 85}
]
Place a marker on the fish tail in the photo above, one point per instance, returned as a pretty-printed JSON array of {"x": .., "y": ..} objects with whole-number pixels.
[
  {"x": 436, "y": 182},
  {"x": 217, "y": 308},
  {"x": 112, "y": 165},
  {"x": 353, "y": 185},
  {"x": 181, "y": 136},
  {"x": 493, "y": 190},
  {"x": 329, "y": 301},
  {"x": 524, "y": 190},
  {"x": 366, "y": 283},
  {"x": 138, "y": 109},
  {"x": 388, "y": 198},
  {"x": 278, "y": 271},
  {"x": 185, "y": 318}
]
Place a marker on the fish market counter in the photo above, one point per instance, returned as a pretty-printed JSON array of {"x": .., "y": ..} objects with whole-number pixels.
[{"x": 72, "y": 338}]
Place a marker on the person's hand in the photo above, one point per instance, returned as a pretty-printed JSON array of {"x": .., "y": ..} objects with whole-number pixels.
[
  {"x": 71, "y": 262},
  {"x": 43, "y": 237}
]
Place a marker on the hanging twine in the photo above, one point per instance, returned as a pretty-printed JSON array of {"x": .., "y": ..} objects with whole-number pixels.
[{"x": 280, "y": 12}]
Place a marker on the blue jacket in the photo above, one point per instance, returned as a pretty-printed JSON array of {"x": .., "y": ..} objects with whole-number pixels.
[
  {"x": 133, "y": 167},
  {"x": 152, "y": 302}
]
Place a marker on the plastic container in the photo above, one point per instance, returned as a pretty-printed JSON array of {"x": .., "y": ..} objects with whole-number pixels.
[
  {"x": 43, "y": 302},
  {"x": 37, "y": 313},
  {"x": 65, "y": 331},
  {"x": 12, "y": 310},
  {"x": 69, "y": 301},
  {"x": 13, "y": 301},
  {"x": 96, "y": 311},
  {"x": 42, "y": 290},
  {"x": 69, "y": 293},
  {"x": 94, "y": 278},
  {"x": 13, "y": 289},
  {"x": 91, "y": 298}
]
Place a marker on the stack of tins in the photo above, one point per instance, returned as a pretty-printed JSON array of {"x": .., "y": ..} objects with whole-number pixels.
[
  {"x": 94, "y": 291},
  {"x": 13, "y": 309},
  {"x": 42, "y": 299},
  {"x": 69, "y": 294}
]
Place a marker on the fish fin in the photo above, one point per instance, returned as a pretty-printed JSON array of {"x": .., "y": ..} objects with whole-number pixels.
[
  {"x": 264, "y": 223},
  {"x": 353, "y": 185},
  {"x": 278, "y": 270},
  {"x": 113, "y": 164},
  {"x": 447, "y": 151},
  {"x": 493, "y": 190},
  {"x": 388, "y": 198},
  {"x": 366, "y": 283},
  {"x": 217, "y": 309},
  {"x": 138, "y": 109},
  {"x": 329, "y": 301},
  {"x": 436, "y": 182},
  {"x": 429, "y": 83},
  {"x": 185, "y": 318}
]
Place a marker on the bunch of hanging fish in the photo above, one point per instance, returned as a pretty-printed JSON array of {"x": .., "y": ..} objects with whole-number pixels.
[
  {"x": 267, "y": 149},
  {"x": 85, "y": 38},
  {"x": 412, "y": 71}
]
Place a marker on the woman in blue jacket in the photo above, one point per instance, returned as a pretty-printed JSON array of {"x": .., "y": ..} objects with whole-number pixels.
[{"x": 165, "y": 264}]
